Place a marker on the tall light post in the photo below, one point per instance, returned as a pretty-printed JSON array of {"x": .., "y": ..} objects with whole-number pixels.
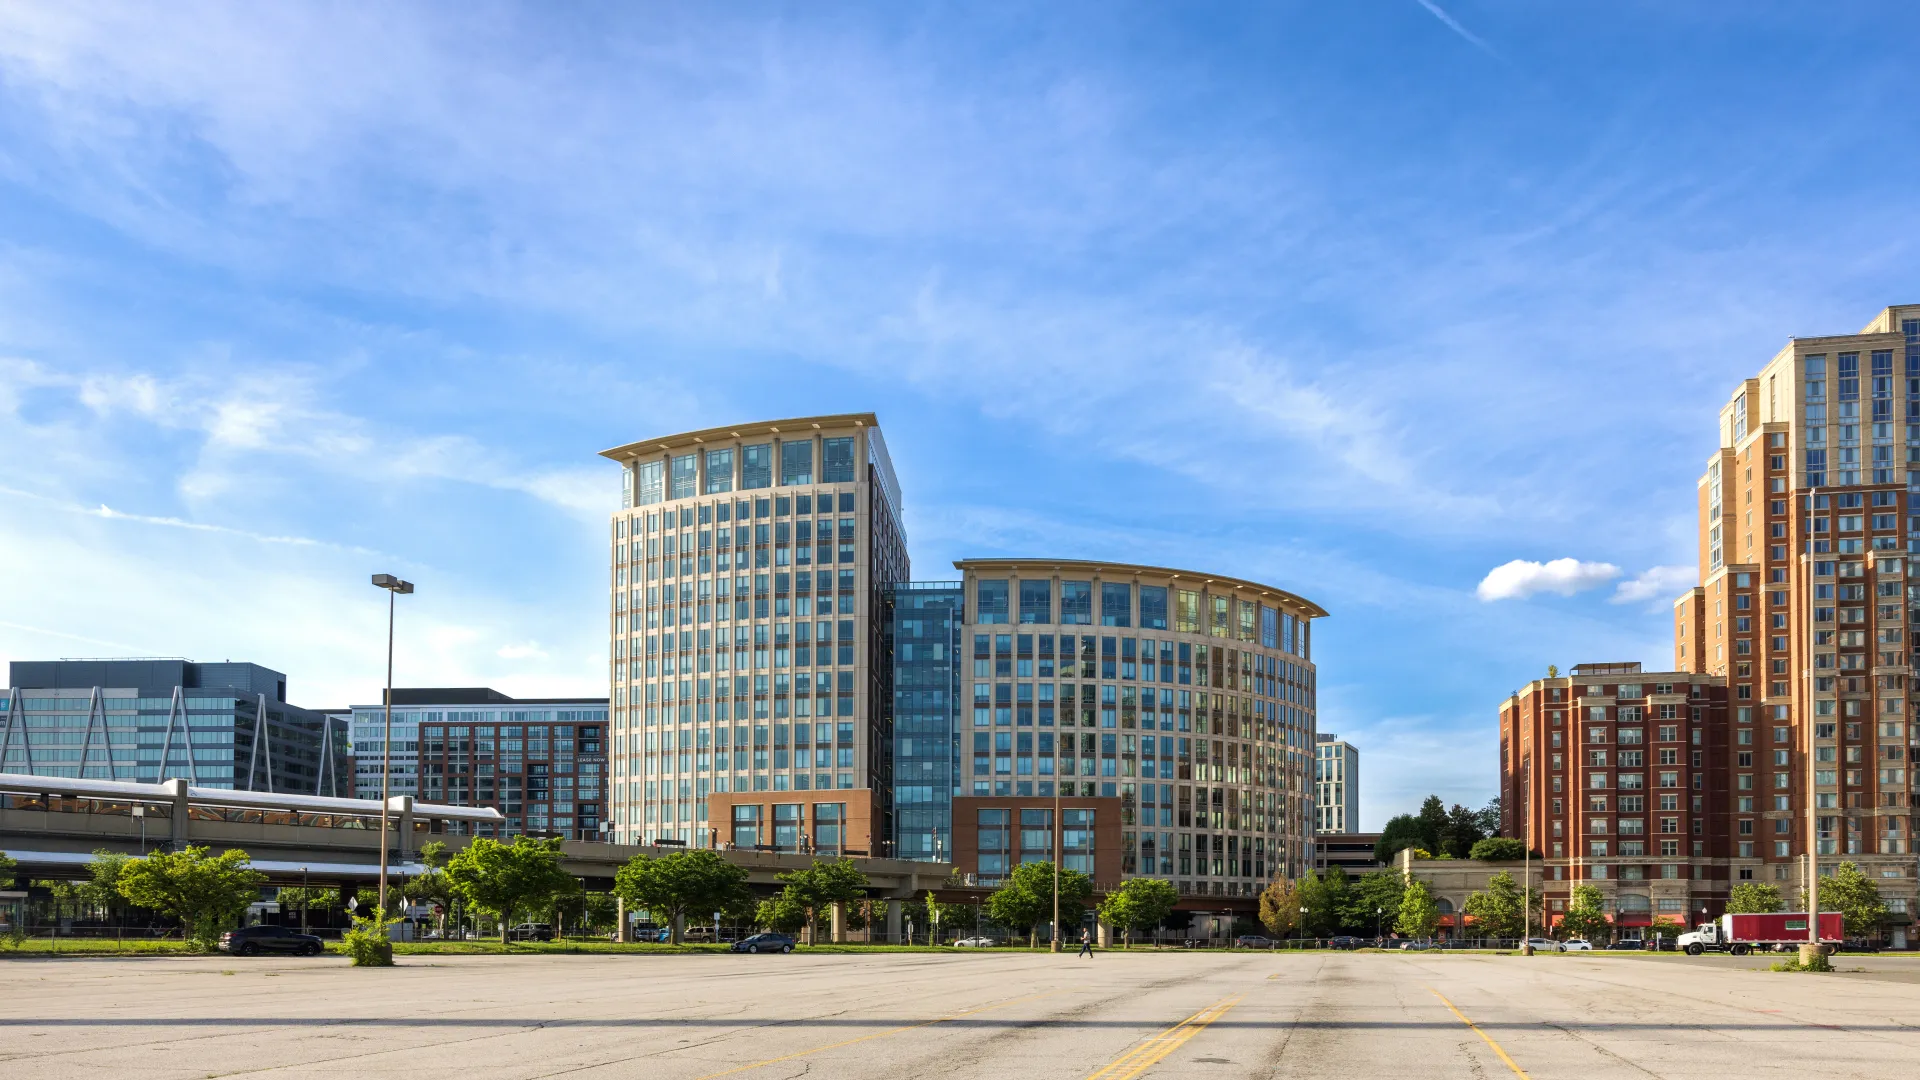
[
  {"x": 395, "y": 587},
  {"x": 1809, "y": 719},
  {"x": 1054, "y": 944}
]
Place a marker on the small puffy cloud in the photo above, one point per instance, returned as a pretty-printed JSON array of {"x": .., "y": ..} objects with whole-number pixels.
[
  {"x": 527, "y": 650},
  {"x": 1654, "y": 584},
  {"x": 1521, "y": 578}
]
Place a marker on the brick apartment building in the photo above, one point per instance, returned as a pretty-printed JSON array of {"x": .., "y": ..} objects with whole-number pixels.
[{"x": 1809, "y": 536}]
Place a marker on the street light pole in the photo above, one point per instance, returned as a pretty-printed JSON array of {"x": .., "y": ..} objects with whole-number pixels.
[
  {"x": 1054, "y": 944},
  {"x": 394, "y": 587},
  {"x": 1810, "y": 720}
]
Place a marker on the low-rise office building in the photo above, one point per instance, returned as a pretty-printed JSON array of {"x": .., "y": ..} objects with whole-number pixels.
[
  {"x": 225, "y": 725},
  {"x": 542, "y": 762}
]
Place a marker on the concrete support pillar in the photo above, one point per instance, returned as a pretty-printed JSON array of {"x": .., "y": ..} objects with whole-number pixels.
[
  {"x": 1105, "y": 935},
  {"x": 893, "y": 922},
  {"x": 679, "y": 928},
  {"x": 620, "y": 914},
  {"x": 177, "y": 794},
  {"x": 400, "y": 807},
  {"x": 839, "y": 923}
]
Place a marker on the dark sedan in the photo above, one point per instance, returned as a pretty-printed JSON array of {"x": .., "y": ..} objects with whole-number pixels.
[
  {"x": 253, "y": 940},
  {"x": 760, "y": 943}
]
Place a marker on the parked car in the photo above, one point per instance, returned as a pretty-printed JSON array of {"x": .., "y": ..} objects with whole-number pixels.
[
  {"x": 1345, "y": 942},
  {"x": 1625, "y": 945},
  {"x": 1253, "y": 941},
  {"x": 975, "y": 943},
  {"x": 1657, "y": 944},
  {"x": 1577, "y": 945},
  {"x": 1418, "y": 946},
  {"x": 760, "y": 943},
  {"x": 253, "y": 940},
  {"x": 531, "y": 931},
  {"x": 1545, "y": 944}
]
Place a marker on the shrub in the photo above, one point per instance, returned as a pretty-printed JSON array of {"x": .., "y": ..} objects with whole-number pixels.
[
  {"x": 1498, "y": 849},
  {"x": 369, "y": 943}
]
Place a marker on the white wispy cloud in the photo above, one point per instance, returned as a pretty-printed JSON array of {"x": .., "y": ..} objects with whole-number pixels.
[
  {"x": 1522, "y": 578},
  {"x": 526, "y": 650},
  {"x": 1657, "y": 584},
  {"x": 1453, "y": 24}
]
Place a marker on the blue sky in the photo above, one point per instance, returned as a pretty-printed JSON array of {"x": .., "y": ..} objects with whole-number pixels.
[{"x": 1364, "y": 300}]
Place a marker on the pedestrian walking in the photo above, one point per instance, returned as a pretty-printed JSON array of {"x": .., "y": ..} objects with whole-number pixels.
[{"x": 1086, "y": 943}]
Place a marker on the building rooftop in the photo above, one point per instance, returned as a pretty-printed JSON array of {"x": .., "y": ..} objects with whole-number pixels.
[
  {"x": 1084, "y": 566},
  {"x": 806, "y": 424},
  {"x": 477, "y": 695}
]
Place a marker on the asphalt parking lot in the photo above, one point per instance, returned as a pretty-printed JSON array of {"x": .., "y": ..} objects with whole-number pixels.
[{"x": 904, "y": 1015}]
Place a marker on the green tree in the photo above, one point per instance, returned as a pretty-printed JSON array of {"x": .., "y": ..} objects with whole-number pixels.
[
  {"x": 827, "y": 882},
  {"x": 1324, "y": 895},
  {"x": 7, "y": 867},
  {"x": 207, "y": 893},
  {"x": 505, "y": 878},
  {"x": 695, "y": 881},
  {"x": 1501, "y": 911},
  {"x": 1027, "y": 898},
  {"x": 1665, "y": 926},
  {"x": 1419, "y": 915},
  {"x": 1586, "y": 914},
  {"x": 1462, "y": 831},
  {"x": 937, "y": 915},
  {"x": 1373, "y": 902},
  {"x": 1754, "y": 897},
  {"x": 1280, "y": 907},
  {"x": 1138, "y": 903},
  {"x": 1498, "y": 849},
  {"x": 1433, "y": 822},
  {"x": 102, "y": 887},
  {"x": 1856, "y": 897},
  {"x": 1401, "y": 832},
  {"x": 781, "y": 913}
]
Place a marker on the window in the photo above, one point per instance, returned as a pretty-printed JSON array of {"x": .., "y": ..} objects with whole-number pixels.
[
  {"x": 649, "y": 483},
  {"x": 836, "y": 460},
  {"x": 686, "y": 472},
  {"x": 1222, "y": 615},
  {"x": 756, "y": 466},
  {"x": 1187, "y": 614},
  {"x": 1153, "y": 608},
  {"x": 796, "y": 462},
  {"x": 1116, "y": 604},
  {"x": 719, "y": 471},
  {"x": 990, "y": 601},
  {"x": 1036, "y": 601},
  {"x": 1076, "y": 603}
]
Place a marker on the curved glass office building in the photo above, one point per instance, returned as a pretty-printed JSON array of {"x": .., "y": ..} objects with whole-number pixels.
[{"x": 1173, "y": 711}]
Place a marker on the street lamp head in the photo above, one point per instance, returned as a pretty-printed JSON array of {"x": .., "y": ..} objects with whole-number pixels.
[{"x": 392, "y": 584}]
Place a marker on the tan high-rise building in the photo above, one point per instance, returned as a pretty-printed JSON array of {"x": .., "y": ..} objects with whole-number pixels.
[
  {"x": 1807, "y": 516},
  {"x": 749, "y": 566}
]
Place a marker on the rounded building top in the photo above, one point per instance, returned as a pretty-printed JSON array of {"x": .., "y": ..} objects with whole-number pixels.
[{"x": 1304, "y": 606}]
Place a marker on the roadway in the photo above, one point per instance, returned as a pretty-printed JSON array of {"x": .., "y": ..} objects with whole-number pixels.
[{"x": 905, "y": 1015}]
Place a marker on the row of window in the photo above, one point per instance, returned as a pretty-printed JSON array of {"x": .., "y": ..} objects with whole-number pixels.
[
  {"x": 1244, "y": 620},
  {"x": 713, "y": 472}
]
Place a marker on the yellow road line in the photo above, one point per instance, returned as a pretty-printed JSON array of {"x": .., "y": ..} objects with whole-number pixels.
[
  {"x": 878, "y": 1035},
  {"x": 1517, "y": 1070},
  {"x": 1147, "y": 1054}
]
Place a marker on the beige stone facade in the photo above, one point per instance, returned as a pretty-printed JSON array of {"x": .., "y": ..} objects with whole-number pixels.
[
  {"x": 745, "y": 569},
  {"x": 1187, "y": 698}
]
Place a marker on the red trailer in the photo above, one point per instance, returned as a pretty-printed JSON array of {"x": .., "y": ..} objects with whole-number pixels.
[{"x": 1740, "y": 934}]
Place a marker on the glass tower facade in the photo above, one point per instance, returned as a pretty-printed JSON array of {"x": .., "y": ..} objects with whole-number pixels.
[
  {"x": 212, "y": 725},
  {"x": 924, "y": 628}
]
